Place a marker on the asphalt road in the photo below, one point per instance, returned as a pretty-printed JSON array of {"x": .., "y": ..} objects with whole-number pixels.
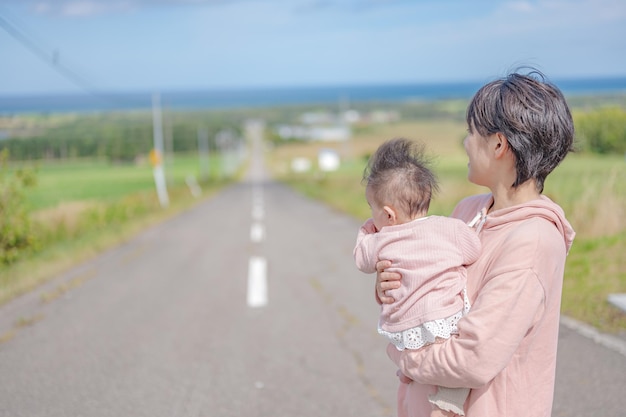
[{"x": 247, "y": 305}]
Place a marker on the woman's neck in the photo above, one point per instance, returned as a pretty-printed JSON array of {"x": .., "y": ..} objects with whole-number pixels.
[{"x": 504, "y": 197}]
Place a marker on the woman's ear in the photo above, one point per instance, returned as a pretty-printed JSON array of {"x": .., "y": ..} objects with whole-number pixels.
[
  {"x": 392, "y": 218},
  {"x": 501, "y": 145}
]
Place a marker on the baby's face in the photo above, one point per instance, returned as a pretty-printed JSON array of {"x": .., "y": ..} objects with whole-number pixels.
[{"x": 379, "y": 215}]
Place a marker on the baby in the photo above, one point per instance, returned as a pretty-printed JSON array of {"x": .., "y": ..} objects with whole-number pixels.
[{"x": 430, "y": 252}]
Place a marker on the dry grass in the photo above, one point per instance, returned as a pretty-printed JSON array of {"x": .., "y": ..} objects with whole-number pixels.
[
  {"x": 442, "y": 138},
  {"x": 65, "y": 215},
  {"x": 600, "y": 209}
]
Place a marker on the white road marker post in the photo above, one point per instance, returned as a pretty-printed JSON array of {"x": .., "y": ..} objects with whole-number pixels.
[
  {"x": 203, "y": 153},
  {"x": 156, "y": 154}
]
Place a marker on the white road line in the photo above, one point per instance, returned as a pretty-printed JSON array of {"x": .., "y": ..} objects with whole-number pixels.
[
  {"x": 257, "y": 196},
  {"x": 257, "y": 232},
  {"x": 258, "y": 212},
  {"x": 257, "y": 282},
  {"x": 257, "y": 203}
]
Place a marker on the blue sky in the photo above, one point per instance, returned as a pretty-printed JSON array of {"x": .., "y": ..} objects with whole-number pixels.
[{"x": 51, "y": 46}]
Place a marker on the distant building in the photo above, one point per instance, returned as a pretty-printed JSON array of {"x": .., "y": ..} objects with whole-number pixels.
[
  {"x": 330, "y": 133},
  {"x": 383, "y": 116},
  {"x": 315, "y": 133},
  {"x": 328, "y": 127}
]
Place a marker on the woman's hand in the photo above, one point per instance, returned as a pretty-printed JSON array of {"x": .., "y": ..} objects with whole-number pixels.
[
  {"x": 386, "y": 281},
  {"x": 394, "y": 354},
  {"x": 403, "y": 378}
]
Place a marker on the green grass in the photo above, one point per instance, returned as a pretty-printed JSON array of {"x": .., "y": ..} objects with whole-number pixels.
[
  {"x": 592, "y": 191},
  {"x": 590, "y": 188},
  {"x": 79, "y": 180},
  {"x": 596, "y": 267}
]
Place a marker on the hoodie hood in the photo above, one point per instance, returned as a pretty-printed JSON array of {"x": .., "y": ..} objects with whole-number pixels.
[{"x": 542, "y": 207}]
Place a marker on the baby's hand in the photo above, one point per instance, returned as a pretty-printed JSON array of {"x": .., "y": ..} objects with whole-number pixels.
[
  {"x": 369, "y": 227},
  {"x": 403, "y": 378}
]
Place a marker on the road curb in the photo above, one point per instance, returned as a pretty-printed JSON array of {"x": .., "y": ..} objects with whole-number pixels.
[{"x": 611, "y": 342}]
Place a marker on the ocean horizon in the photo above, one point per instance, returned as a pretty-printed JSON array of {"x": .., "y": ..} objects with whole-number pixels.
[{"x": 274, "y": 97}]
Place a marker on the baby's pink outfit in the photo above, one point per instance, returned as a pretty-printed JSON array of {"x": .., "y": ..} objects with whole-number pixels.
[{"x": 430, "y": 253}]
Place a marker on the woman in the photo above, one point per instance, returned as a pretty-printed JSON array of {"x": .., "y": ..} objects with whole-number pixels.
[{"x": 520, "y": 129}]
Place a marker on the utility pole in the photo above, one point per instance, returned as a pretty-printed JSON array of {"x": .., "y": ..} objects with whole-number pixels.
[{"x": 156, "y": 155}]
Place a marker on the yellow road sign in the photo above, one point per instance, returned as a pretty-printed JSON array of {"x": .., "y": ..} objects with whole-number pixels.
[{"x": 155, "y": 158}]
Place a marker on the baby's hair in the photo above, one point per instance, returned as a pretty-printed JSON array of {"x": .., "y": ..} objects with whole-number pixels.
[{"x": 398, "y": 174}]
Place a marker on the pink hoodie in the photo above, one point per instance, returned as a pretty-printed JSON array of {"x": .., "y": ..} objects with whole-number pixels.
[{"x": 506, "y": 348}]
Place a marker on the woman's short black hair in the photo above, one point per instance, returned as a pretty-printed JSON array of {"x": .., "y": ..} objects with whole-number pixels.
[{"x": 533, "y": 116}]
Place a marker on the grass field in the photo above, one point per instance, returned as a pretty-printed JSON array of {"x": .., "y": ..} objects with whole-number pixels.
[
  {"x": 80, "y": 180},
  {"x": 591, "y": 189}
]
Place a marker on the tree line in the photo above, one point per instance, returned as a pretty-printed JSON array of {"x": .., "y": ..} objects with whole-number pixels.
[{"x": 117, "y": 137}]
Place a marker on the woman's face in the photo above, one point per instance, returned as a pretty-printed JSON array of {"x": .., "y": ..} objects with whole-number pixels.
[{"x": 477, "y": 148}]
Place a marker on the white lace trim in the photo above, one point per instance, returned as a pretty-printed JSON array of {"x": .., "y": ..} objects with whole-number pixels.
[{"x": 428, "y": 332}]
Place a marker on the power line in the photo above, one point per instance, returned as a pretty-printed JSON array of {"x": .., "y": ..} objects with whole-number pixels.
[{"x": 51, "y": 60}]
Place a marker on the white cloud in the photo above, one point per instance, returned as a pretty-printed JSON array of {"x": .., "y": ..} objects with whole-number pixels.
[
  {"x": 90, "y": 8},
  {"x": 559, "y": 12},
  {"x": 521, "y": 6},
  {"x": 87, "y": 8}
]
